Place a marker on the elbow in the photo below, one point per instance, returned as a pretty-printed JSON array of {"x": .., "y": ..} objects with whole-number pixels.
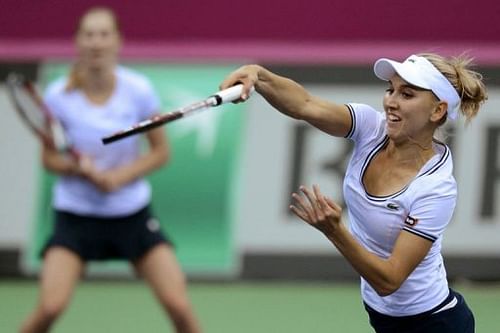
[
  {"x": 388, "y": 281},
  {"x": 387, "y": 288},
  {"x": 163, "y": 157},
  {"x": 383, "y": 292}
]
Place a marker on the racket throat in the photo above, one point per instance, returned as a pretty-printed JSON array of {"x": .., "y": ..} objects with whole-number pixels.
[{"x": 60, "y": 140}]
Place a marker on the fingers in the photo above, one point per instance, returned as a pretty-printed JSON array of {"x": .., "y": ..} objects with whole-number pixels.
[
  {"x": 247, "y": 91},
  {"x": 308, "y": 210},
  {"x": 313, "y": 206},
  {"x": 317, "y": 210},
  {"x": 301, "y": 208},
  {"x": 299, "y": 212},
  {"x": 247, "y": 76},
  {"x": 320, "y": 198},
  {"x": 333, "y": 204}
]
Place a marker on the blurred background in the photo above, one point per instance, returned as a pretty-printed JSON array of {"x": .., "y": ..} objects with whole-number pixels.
[{"x": 224, "y": 196}]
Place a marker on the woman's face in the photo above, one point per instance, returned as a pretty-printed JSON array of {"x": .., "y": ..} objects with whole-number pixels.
[
  {"x": 98, "y": 41},
  {"x": 409, "y": 110}
]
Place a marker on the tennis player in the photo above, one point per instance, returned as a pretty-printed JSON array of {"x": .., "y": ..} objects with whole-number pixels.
[
  {"x": 101, "y": 202},
  {"x": 399, "y": 185}
]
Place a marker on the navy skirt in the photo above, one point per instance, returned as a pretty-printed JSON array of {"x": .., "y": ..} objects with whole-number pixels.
[
  {"x": 96, "y": 238},
  {"x": 458, "y": 319}
]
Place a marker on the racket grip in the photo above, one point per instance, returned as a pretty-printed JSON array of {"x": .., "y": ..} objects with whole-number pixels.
[{"x": 229, "y": 94}]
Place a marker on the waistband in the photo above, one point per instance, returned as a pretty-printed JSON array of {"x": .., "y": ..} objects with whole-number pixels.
[{"x": 375, "y": 315}]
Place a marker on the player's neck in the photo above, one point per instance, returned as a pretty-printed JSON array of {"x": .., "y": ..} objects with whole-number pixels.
[
  {"x": 410, "y": 152},
  {"x": 99, "y": 85}
]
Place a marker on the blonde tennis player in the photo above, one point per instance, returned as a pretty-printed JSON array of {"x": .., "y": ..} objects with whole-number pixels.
[{"x": 399, "y": 185}]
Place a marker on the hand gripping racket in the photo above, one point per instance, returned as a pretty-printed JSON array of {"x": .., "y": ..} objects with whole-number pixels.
[
  {"x": 219, "y": 98},
  {"x": 36, "y": 115}
]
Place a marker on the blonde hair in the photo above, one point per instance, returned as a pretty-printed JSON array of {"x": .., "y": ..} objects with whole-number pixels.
[
  {"x": 99, "y": 10},
  {"x": 468, "y": 83},
  {"x": 74, "y": 79}
]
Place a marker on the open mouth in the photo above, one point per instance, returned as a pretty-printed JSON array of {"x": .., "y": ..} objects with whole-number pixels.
[{"x": 393, "y": 118}]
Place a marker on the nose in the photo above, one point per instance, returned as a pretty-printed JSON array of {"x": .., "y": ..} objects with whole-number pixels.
[
  {"x": 390, "y": 101},
  {"x": 96, "y": 42}
]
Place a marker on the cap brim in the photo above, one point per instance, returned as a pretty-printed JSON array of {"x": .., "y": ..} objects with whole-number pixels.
[{"x": 385, "y": 69}]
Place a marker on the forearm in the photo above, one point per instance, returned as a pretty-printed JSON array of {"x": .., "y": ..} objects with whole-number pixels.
[
  {"x": 141, "y": 167},
  {"x": 60, "y": 164},
  {"x": 378, "y": 272}
]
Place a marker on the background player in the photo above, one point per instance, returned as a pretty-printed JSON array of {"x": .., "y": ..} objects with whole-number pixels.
[{"x": 101, "y": 202}]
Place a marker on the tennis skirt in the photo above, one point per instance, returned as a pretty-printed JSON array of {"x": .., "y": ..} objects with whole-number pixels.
[
  {"x": 97, "y": 238},
  {"x": 458, "y": 319}
]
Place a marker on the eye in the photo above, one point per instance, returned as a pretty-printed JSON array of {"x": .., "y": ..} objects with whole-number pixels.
[{"x": 389, "y": 90}]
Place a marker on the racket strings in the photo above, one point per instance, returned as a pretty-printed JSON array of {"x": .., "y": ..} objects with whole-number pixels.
[{"x": 31, "y": 110}]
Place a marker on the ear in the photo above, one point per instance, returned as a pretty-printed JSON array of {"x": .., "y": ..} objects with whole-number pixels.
[{"x": 439, "y": 112}]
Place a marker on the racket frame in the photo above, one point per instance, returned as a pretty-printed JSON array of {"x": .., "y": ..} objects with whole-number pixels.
[
  {"x": 228, "y": 95},
  {"x": 52, "y": 134}
]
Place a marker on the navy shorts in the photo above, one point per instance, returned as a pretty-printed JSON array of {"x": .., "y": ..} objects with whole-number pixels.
[
  {"x": 97, "y": 238},
  {"x": 458, "y": 319}
]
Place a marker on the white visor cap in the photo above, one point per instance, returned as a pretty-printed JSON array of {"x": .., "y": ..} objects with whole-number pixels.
[{"x": 421, "y": 73}]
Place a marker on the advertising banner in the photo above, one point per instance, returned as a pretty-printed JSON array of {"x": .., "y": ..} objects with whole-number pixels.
[{"x": 194, "y": 195}]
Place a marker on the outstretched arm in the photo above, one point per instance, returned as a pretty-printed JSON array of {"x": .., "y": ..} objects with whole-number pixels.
[{"x": 291, "y": 99}]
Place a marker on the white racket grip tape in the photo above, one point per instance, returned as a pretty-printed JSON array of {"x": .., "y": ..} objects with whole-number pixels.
[
  {"x": 60, "y": 141},
  {"x": 230, "y": 94}
]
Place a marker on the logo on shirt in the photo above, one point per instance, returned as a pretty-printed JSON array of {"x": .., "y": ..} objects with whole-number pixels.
[
  {"x": 411, "y": 221},
  {"x": 153, "y": 225},
  {"x": 392, "y": 206}
]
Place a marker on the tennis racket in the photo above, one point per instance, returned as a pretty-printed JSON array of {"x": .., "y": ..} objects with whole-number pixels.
[
  {"x": 219, "y": 98},
  {"x": 36, "y": 115}
]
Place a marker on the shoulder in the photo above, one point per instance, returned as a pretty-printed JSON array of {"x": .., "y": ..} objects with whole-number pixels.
[
  {"x": 437, "y": 178},
  {"x": 364, "y": 114},
  {"x": 363, "y": 109},
  {"x": 441, "y": 166},
  {"x": 56, "y": 88},
  {"x": 367, "y": 123},
  {"x": 136, "y": 87},
  {"x": 133, "y": 79},
  {"x": 439, "y": 185},
  {"x": 360, "y": 107}
]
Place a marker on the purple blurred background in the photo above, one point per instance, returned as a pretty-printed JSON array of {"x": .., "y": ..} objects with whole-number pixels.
[{"x": 278, "y": 31}]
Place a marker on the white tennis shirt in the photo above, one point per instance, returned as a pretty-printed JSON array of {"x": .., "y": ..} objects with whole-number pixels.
[
  {"x": 86, "y": 123},
  {"x": 424, "y": 208}
]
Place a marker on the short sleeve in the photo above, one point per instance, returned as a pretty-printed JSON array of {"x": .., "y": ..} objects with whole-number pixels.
[
  {"x": 148, "y": 99},
  {"x": 432, "y": 208},
  {"x": 367, "y": 123},
  {"x": 52, "y": 95}
]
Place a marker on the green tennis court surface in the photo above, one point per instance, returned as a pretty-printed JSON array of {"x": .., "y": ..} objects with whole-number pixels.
[{"x": 123, "y": 306}]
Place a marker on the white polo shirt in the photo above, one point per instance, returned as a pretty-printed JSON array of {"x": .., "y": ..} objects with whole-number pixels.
[
  {"x": 86, "y": 123},
  {"x": 424, "y": 207}
]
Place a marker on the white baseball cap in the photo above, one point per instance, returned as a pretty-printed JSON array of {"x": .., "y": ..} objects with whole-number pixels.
[{"x": 421, "y": 73}]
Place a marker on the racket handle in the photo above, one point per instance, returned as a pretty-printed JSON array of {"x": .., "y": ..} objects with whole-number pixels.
[{"x": 229, "y": 94}]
